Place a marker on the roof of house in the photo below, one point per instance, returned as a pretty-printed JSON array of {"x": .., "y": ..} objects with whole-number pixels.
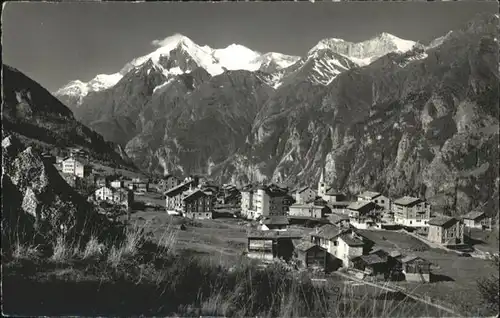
[
  {"x": 369, "y": 194},
  {"x": 332, "y": 191},
  {"x": 275, "y": 220},
  {"x": 442, "y": 221},
  {"x": 273, "y": 235},
  {"x": 306, "y": 205},
  {"x": 358, "y": 205},
  {"x": 380, "y": 253},
  {"x": 370, "y": 259},
  {"x": 306, "y": 245},
  {"x": 339, "y": 203},
  {"x": 334, "y": 217},
  {"x": 407, "y": 200},
  {"x": 395, "y": 254},
  {"x": 473, "y": 215},
  {"x": 351, "y": 240},
  {"x": 411, "y": 258},
  {"x": 178, "y": 189},
  {"x": 194, "y": 194},
  {"x": 327, "y": 231}
]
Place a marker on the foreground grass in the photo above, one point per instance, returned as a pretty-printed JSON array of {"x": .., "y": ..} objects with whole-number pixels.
[{"x": 137, "y": 277}]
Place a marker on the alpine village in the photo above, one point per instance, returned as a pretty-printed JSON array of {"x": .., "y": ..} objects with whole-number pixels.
[{"x": 298, "y": 189}]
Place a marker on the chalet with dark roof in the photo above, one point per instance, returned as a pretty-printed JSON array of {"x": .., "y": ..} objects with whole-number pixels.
[
  {"x": 477, "y": 219},
  {"x": 269, "y": 245},
  {"x": 274, "y": 223},
  {"x": 446, "y": 231},
  {"x": 310, "y": 255},
  {"x": 376, "y": 197},
  {"x": 174, "y": 197},
  {"x": 198, "y": 205}
]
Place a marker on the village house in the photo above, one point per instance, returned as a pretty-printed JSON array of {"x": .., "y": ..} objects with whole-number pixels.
[
  {"x": 247, "y": 201},
  {"x": 326, "y": 237},
  {"x": 371, "y": 264},
  {"x": 478, "y": 220},
  {"x": 123, "y": 197},
  {"x": 142, "y": 186},
  {"x": 264, "y": 201},
  {"x": 343, "y": 244},
  {"x": 416, "y": 269},
  {"x": 100, "y": 181},
  {"x": 198, "y": 205},
  {"x": 168, "y": 182},
  {"x": 378, "y": 262},
  {"x": 304, "y": 194},
  {"x": 173, "y": 197},
  {"x": 117, "y": 184},
  {"x": 268, "y": 245},
  {"x": 339, "y": 207},
  {"x": 411, "y": 212},
  {"x": 377, "y": 198},
  {"x": 308, "y": 210},
  {"x": 76, "y": 167},
  {"x": 363, "y": 214},
  {"x": 349, "y": 245},
  {"x": 274, "y": 223},
  {"x": 104, "y": 194},
  {"x": 229, "y": 195},
  {"x": 310, "y": 255},
  {"x": 446, "y": 231},
  {"x": 340, "y": 220}
]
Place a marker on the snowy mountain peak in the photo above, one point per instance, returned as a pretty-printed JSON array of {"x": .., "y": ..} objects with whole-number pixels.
[{"x": 366, "y": 51}]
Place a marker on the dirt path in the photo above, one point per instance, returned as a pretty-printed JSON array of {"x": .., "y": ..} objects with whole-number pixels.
[{"x": 441, "y": 307}]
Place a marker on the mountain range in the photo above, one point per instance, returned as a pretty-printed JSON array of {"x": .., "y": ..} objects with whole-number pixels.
[{"x": 385, "y": 114}]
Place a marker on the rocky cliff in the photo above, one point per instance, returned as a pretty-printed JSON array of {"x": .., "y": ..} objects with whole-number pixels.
[{"x": 36, "y": 198}]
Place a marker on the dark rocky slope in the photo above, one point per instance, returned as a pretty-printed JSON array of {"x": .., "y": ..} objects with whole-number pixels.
[{"x": 40, "y": 120}]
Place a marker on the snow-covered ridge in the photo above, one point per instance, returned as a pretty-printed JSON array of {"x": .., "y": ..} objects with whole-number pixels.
[
  {"x": 214, "y": 61},
  {"x": 367, "y": 51},
  {"x": 239, "y": 57}
]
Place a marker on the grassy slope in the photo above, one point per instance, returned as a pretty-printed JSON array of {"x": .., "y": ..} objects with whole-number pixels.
[
  {"x": 137, "y": 276},
  {"x": 458, "y": 275}
]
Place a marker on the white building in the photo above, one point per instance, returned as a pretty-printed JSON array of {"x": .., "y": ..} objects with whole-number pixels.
[
  {"x": 411, "y": 212},
  {"x": 264, "y": 201},
  {"x": 75, "y": 167},
  {"x": 117, "y": 184},
  {"x": 104, "y": 194},
  {"x": 342, "y": 243}
]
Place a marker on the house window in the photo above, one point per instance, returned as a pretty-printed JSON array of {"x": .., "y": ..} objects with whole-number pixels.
[
  {"x": 335, "y": 243},
  {"x": 411, "y": 222},
  {"x": 206, "y": 214},
  {"x": 382, "y": 201}
]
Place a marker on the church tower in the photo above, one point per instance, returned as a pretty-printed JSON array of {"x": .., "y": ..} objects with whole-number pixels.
[{"x": 322, "y": 183}]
